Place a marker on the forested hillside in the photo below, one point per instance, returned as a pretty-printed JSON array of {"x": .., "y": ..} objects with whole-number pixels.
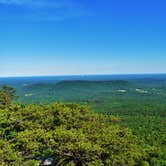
[{"x": 125, "y": 127}]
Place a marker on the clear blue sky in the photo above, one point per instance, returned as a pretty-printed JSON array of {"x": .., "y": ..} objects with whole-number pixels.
[{"x": 63, "y": 37}]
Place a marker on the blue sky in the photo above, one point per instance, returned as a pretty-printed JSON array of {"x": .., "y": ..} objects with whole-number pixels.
[{"x": 66, "y": 37}]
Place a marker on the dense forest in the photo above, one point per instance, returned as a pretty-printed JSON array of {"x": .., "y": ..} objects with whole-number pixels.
[{"x": 116, "y": 123}]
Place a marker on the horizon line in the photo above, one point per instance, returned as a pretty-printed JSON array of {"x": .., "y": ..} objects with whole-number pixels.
[{"x": 75, "y": 75}]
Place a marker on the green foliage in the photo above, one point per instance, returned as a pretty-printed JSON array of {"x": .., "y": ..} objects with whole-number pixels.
[
  {"x": 8, "y": 156},
  {"x": 36, "y": 129},
  {"x": 4, "y": 100},
  {"x": 69, "y": 133},
  {"x": 7, "y": 94},
  {"x": 11, "y": 92},
  {"x": 31, "y": 163}
]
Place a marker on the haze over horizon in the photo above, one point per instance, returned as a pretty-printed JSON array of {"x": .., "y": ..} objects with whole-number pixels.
[{"x": 74, "y": 37}]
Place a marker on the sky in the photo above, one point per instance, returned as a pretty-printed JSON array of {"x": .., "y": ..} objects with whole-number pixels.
[{"x": 73, "y": 37}]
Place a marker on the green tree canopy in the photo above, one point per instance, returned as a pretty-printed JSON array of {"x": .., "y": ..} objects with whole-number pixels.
[
  {"x": 10, "y": 91},
  {"x": 70, "y": 134},
  {"x": 7, "y": 94}
]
